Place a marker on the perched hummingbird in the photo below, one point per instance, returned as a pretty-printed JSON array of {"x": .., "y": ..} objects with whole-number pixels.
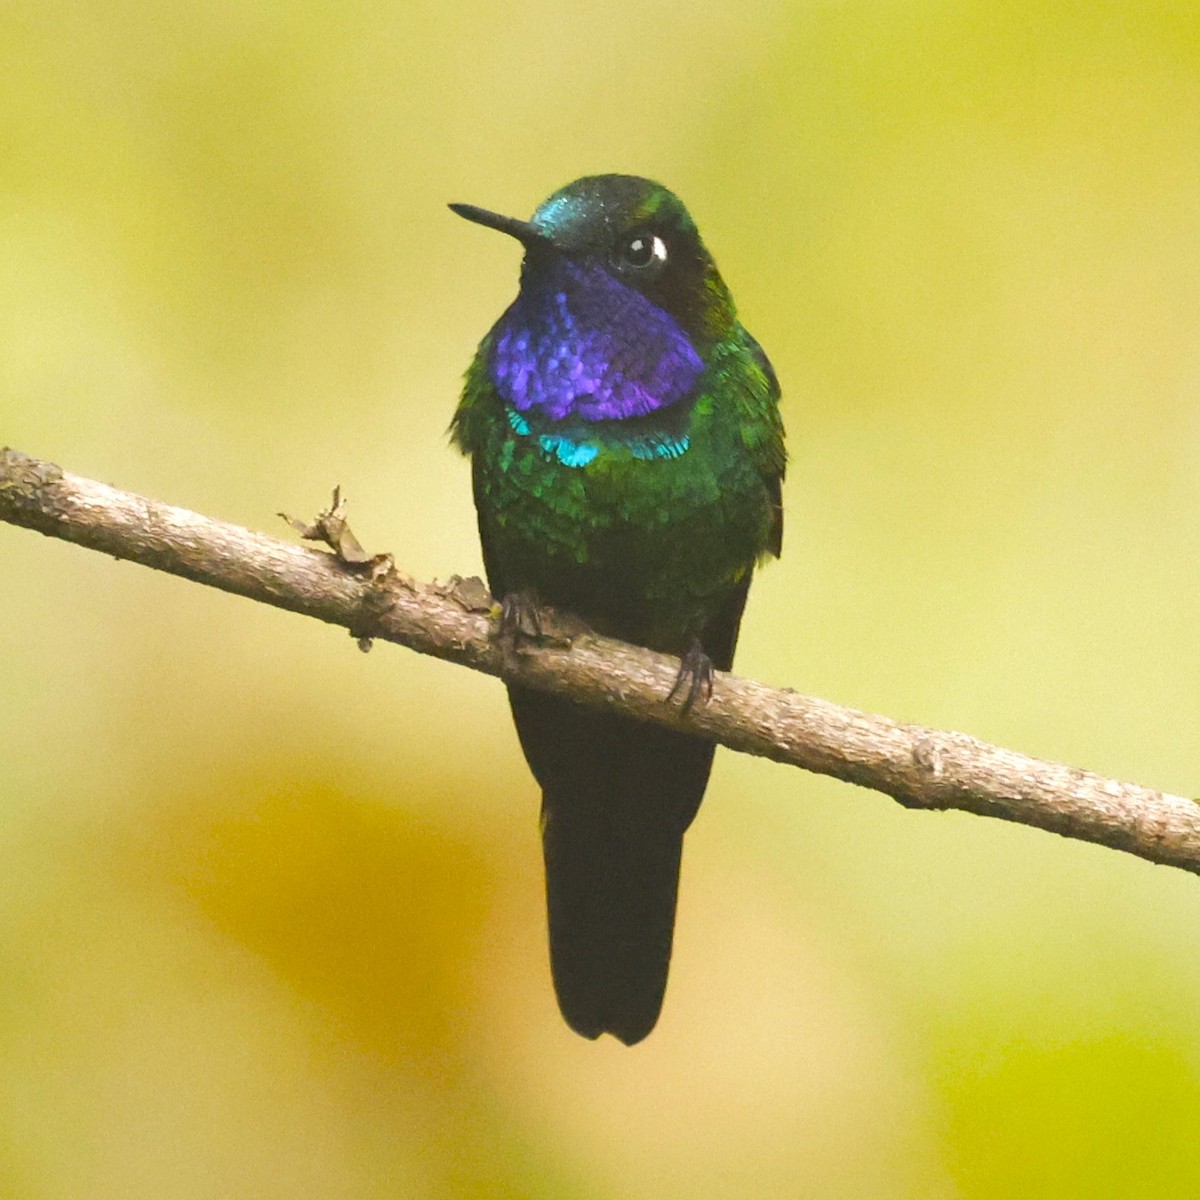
[{"x": 627, "y": 456}]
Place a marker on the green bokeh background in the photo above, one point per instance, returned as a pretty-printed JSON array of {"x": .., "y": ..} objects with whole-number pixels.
[{"x": 270, "y": 909}]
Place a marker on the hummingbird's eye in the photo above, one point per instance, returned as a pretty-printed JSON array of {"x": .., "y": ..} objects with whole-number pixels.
[{"x": 642, "y": 249}]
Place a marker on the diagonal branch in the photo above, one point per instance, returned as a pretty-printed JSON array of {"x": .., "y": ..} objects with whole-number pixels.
[{"x": 919, "y": 767}]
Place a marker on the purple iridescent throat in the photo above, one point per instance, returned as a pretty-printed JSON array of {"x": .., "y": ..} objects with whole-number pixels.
[{"x": 577, "y": 342}]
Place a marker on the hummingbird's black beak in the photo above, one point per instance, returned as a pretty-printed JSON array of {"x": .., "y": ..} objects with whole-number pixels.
[{"x": 523, "y": 231}]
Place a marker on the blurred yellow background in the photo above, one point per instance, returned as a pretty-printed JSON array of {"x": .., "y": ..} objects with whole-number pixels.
[{"x": 270, "y": 910}]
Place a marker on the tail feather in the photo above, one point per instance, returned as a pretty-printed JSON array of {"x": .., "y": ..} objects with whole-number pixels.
[
  {"x": 617, "y": 797},
  {"x": 611, "y": 903}
]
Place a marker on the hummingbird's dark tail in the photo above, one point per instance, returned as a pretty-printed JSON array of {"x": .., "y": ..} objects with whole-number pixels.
[{"x": 617, "y": 796}]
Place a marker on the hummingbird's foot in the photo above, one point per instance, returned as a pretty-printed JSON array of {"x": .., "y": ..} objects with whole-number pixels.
[
  {"x": 520, "y": 620},
  {"x": 696, "y": 672},
  {"x": 525, "y": 623}
]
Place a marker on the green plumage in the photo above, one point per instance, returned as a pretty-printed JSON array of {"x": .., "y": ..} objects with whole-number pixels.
[
  {"x": 661, "y": 542},
  {"x": 627, "y": 456}
]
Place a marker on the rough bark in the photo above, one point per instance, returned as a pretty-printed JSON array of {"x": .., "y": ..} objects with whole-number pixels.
[{"x": 919, "y": 767}]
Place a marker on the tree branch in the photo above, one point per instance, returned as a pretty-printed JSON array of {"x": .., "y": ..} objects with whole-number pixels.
[{"x": 919, "y": 767}]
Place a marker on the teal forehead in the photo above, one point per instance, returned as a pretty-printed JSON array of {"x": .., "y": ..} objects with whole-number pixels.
[
  {"x": 611, "y": 203},
  {"x": 561, "y": 212}
]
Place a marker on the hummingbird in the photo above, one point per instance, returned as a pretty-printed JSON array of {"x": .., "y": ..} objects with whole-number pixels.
[{"x": 627, "y": 458}]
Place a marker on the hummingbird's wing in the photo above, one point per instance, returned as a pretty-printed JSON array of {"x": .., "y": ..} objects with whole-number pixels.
[{"x": 775, "y": 463}]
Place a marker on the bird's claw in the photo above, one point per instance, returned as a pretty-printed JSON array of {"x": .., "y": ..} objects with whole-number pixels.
[
  {"x": 520, "y": 620},
  {"x": 696, "y": 675}
]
